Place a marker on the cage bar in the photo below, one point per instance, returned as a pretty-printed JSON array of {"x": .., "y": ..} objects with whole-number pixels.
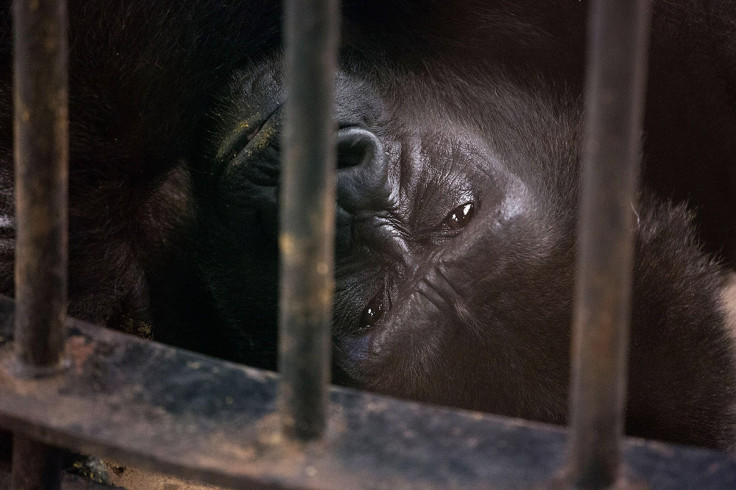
[
  {"x": 142, "y": 403},
  {"x": 307, "y": 215},
  {"x": 41, "y": 169},
  {"x": 35, "y": 465},
  {"x": 41, "y": 174},
  {"x": 618, "y": 34},
  {"x": 168, "y": 409}
]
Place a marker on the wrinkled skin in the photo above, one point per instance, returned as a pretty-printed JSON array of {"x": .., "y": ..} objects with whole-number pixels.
[
  {"x": 455, "y": 252},
  {"x": 428, "y": 228},
  {"x": 459, "y": 126}
]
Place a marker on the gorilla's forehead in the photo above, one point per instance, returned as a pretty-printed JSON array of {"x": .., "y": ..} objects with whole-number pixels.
[{"x": 525, "y": 127}]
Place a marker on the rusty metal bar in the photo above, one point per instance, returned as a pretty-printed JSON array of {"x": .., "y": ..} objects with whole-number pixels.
[
  {"x": 41, "y": 174},
  {"x": 147, "y": 404},
  {"x": 307, "y": 215},
  {"x": 35, "y": 465},
  {"x": 618, "y": 34},
  {"x": 41, "y": 156}
]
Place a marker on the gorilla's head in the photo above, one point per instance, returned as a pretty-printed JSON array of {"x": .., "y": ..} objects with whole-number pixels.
[{"x": 453, "y": 243}]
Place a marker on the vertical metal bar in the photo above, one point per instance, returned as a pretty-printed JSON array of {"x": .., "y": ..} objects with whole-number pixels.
[
  {"x": 41, "y": 168},
  {"x": 41, "y": 176},
  {"x": 307, "y": 215},
  {"x": 618, "y": 34},
  {"x": 35, "y": 465}
]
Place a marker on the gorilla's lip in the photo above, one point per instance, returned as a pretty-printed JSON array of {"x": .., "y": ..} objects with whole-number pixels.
[
  {"x": 353, "y": 354},
  {"x": 357, "y": 353},
  {"x": 354, "y": 351},
  {"x": 362, "y": 357}
]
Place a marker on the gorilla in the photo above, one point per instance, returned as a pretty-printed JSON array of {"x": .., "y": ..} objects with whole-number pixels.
[{"x": 458, "y": 134}]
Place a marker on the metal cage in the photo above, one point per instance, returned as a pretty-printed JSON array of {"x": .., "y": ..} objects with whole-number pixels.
[{"x": 65, "y": 383}]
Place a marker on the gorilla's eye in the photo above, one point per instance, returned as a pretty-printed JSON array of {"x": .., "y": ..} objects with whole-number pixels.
[
  {"x": 249, "y": 136},
  {"x": 460, "y": 216},
  {"x": 372, "y": 313}
]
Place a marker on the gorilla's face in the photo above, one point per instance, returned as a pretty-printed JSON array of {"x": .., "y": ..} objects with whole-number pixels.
[{"x": 453, "y": 248}]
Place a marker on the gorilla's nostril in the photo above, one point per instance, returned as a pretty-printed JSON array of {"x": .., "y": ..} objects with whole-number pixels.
[
  {"x": 362, "y": 170},
  {"x": 356, "y": 146}
]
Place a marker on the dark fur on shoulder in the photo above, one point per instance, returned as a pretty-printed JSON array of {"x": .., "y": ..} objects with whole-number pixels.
[
  {"x": 141, "y": 79},
  {"x": 682, "y": 352}
]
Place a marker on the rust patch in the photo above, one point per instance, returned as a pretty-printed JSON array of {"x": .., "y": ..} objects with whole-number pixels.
[{"x": 79, "y": 350}]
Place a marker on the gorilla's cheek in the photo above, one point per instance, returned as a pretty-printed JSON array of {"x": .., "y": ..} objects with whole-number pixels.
[{"x": 446, "y": 308}]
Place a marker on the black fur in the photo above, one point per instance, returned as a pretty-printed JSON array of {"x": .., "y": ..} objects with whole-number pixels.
[{"x": 175, "y": 118}]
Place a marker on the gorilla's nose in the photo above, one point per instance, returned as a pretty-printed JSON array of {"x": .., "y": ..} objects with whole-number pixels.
[{"x": 362, "y": 170}]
